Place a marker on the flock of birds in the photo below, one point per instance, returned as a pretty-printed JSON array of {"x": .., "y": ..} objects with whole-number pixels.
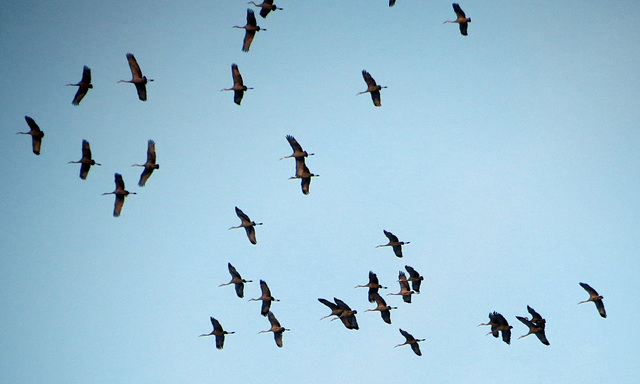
[{"x": 339, "y": 309}]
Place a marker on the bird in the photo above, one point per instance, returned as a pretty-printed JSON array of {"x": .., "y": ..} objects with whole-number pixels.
[
  {"x": 237, "y": 280},
  {"x": 499, "y": 324},
  {"x": 393, "y": 242},
  {"x": 597, "y": 299},
  {"x": 266, "y": 298},
  {"x": 414, "y": 278},
  {"x": 248, "y": 226},
  {"x": 86, "y": 160},
  {"x": 36, "y": 135},
  {"x": 267, "y": 6},
  {"x": 347, "y": 316},
  {"x": 385, "y": 310},
  {"x": 250, "y": 30},
  {"x": 150, "y": 165},
  {"x": 405, "y": 291},
  {"x": 462, "y": 19},
  {"x": 276, "y": 328},
  {"x": 297, "y": 149},
  {"x": 373, "y": 286},
  {"x": 537, "y": 329},
  {"x": 218, "y": 332},
  {"x": 83, "y": 85},
  {"x": 303, "y": 173},
  {"x": 335, "y": 309},
  {"x": 120, "y": 193},
  {"x": 372, "y": 88},
  {"x": 411, "y": 341},
  {"x": 137, "y": 79},
  {"x": 535, "y": 317},
  {"x": 238, "y": 87}
]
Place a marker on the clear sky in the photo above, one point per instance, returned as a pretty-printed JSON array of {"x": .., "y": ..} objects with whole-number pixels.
[{"x": 508, "y": 158}]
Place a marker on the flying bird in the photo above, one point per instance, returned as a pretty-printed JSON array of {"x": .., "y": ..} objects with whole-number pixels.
[
  {"x": 218, "y": 332},
  {"x": 537, "y": 329},
  {"x": 250, "y": 30},
  {"x": 266, "y": 298},
  {"x": 83, "y": 85},
  {"x": 372, "y": 88},
  {"x": 238, "y": 86},
  {"x": 267, "y": 6},
  {"x": 373, "y": 286},
  {"x": 393, "y": 242},
  {"x": 297, "y": 149},
  {"x": 86, "y": 160},
  {"x": 150, "y": 165},
  {"x": 597, "y": 299},
  {"x": 248, "y": 226},
  {"x": 535, "y": 317},
  {"x": 335, "y": 309},
  {"x": 120, "y": 193},
  {"x": 414, "y": 278},
  {"x": 36, "y": 134},
  {"x": 237, "y": 280},
  {"x": 303, "y": 173},
  {"x": 411, "y": 341},
  {"x": 383, "y": 308},
  {"x": 499, "y": 324},
  {"x": 462, "y": 19},
  {"x": 137, "y": 79},
  {"x": 276, "y": 328},
  {"x": 405, "y": 291},
  {"x": 347, "y": 316}
]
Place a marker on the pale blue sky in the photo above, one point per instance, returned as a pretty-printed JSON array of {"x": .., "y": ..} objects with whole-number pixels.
[{"x": 508, "y": 158}]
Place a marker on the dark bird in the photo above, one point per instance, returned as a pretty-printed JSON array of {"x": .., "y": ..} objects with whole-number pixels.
[
  {"x": 150, "y": 165},
  {"x": 250, "y": 30},
  {"x": 267, "y": 6},
  {"x": 537, "y": 329},
  {"x": 237, "y": 280},
  {"x": 218, "y": 332},
  {"x": 462, "y": 19},
  {"x": 248, "y": 226},
  {"x": 276, "y": 328},
  {"x": 36, "y": 135},
  {"x": 593, "y": 296},
  {"x": 385, "y": 310},
  {"x": 499, "y": 324},
  {"x": 297, "y": 149},
  {"x": 414, "y": 278},
  {"x": 266, "y": 298},
  {"x": 238, "y": 86},
  {"x": 373, "y": 286},
  {"x": 335, "y": 310},
  {"x": 86, "y": 160},
  {"x": 303, "y": 173},
  {"x": 372, "y": 88},
  {"x": 535, "y": 317},
  {"x": 348, "y": 315},
  {"x": 120, "y": 193},
  {"x": 405, "y": 291},
  {"x": 392, "y": 3},
  {"x": 393, "y": 242},
  {"x": 411, "y": 341},
  {"x": 137, "y": 79},
  {"x": 83, "y": 85}
]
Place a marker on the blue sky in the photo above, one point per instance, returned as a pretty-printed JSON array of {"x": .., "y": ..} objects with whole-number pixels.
[{"x": 508, "y": 158}]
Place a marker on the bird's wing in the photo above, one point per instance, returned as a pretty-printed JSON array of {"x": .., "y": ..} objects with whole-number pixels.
[
  {"x": 86, "y": 75},
  {"x": 372, "y": 294},
  {"x": 328, "y": 303},
  {"x": 242, "y": 215},
  {"x": 533, "y": 313},
  {"x": 406, "y": 298},
  {"x": 237, "y": 96},
  {"x": 151, "y": 152},
  {"x": 272, "y": 319},
  {"x": 264, "y": 288},
  {"x": 373, "y": 278},
  {"x": 304, "y": 184},
  {"x": 368, "y": 79},
  {"x": 84, "y": 170},
  {"x": 397, "y": 249},
  {"x": 542, "y": 337},
  {"x": 251, "y": 18},
  {"x": 406, "y": 335},
  {"x": 142, "y": 91},
  {"x": 239, "y": 289},
  {"x": 416, "y": 349},
  {"x": 278, "y": 338},
  {"x": 36, "y": 143},
  {"x": 232, "y": 270},
  {"x": 251, "y": 234},
  {"x": 119, "y": 181},
  {"x": 375, "y": 97},
  {"x": 525, "y": 321},
  {"x": 135, "y": 68},
  {"x": 79, "y": 95},
  {"x": 216, "y": 324},
  {"x": 265, "y": 11},
  {"x": 248, "y": 38},
  {"x": 86, "y": 150},
  {"x": 294, "y": 144},
  {"x": 237, "y": 78},
  {"x": 386, "y": 316},
  {"x": 341, "y": 304},
  {"x": 379, "y": 300},
  {"x": 266, "y": 306},
  {"x": 390, "y": 235},
  {"x": 220, "y": 341},
  {"x": 392, "y": 3},
  {"x": 463, "y": 28},
  {"x": 587, "y": 287},
  {"x": 600, "y": 306},
  {"x": 412, "y": 272},
  {"x": 459, "y": 12},
  {"x": 32, "y": 124},
  {"x": 415, "y": 285},
  {"x": 117, "y": 208},
  {"x": 144, "y": 176},
  {"x": 506, "y": 336},
  {"x": 300, "y": 166}
]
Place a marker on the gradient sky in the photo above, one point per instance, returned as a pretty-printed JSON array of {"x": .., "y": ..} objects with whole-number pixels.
[{"x": 508, "y": 158}]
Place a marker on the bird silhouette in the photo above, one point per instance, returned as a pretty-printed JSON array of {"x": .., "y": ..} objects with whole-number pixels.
[
  {"x": 36, "y": 135},
  {"x": 250, "y": 30},
  {"x": 382, "y": 307},
  {"x": 238, "y": 86},
  {"x": 405, "y": 291},
  {"x": 372, "y": 87},
  {"x": 86, "y": 160},
  {"x": 414, "y": 278},
  {"x": 411, "y": 341},
  {"x": 83, "y": 85},
  {"x": 276, "y": 328},
  {"x": 266, "y": 298},
  {"x": 461, "y": 19},
  {"x": 136, "y": 77},
  {"x": 595, "y": 298},
  {"x": 394, "y": 243},
  {"x": 120, "y": 193},
  {"x": 218, "y": 332},
  {"x": 248, "y": 226},
  {"x": 373, "y": 286},
  {"x": 237, "y": 280},
  {"x": 150, "y": 165},
  {"x": 267, "y": 6}
]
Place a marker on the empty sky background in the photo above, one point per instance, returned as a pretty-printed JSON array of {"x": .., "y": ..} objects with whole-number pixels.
[{"x": 508, "y": 158}]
